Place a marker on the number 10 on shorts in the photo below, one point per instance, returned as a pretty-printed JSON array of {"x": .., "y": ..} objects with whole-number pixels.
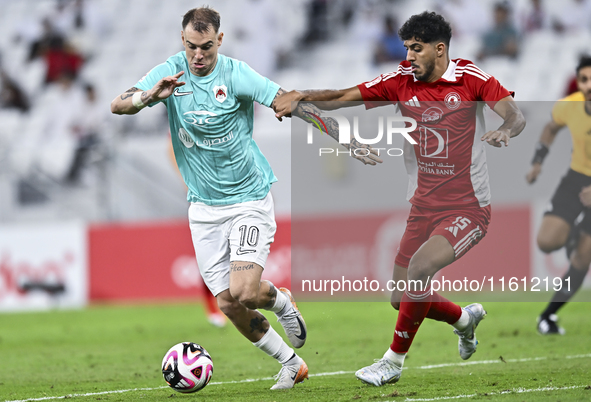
[{"x": 248, "y": 235}]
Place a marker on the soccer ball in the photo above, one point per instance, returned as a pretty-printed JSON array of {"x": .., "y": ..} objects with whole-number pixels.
[{"x": 187, "y": 367}]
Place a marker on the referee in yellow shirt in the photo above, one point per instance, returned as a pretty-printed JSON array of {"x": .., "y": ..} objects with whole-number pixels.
[{"x": 572, "y": 197}]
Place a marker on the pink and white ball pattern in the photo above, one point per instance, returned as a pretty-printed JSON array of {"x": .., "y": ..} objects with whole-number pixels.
[{"x": 187, "y": 367}]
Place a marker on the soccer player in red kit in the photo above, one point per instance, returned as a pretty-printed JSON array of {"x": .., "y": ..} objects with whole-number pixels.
[{"x": 451, "y": 200}]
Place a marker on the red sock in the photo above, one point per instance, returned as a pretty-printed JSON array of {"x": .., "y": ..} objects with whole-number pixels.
[
  {"x": 443, "y": 310},
  {"x": 211, "y": 303},
  {"x": 413, "y": 310}
]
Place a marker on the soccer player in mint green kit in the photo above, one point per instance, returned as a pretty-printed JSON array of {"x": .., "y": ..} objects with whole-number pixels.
[{"x": 231, "y": 214}]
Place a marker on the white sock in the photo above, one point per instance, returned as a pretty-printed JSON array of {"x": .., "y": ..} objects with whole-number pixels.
[
  {"x": 463, "y": 322},
  {"x": 396, "y": 358},
  {"x": 281, "y": 300},
  {"x": 273, "y": 345}
]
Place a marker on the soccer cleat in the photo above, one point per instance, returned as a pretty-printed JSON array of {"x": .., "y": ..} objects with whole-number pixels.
[
  {"x": 292, "y": 322},
  {"x": 468, "y": 342},
  {"x": 549, "y": 325},
  {"x": 382, "y": 372},
  {"x": 291, "y": 373}
]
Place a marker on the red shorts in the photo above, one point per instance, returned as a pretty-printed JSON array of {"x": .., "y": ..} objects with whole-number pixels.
[{"x": 463, "y": 228}]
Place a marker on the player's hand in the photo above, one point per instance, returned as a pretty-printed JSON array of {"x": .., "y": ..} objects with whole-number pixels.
[
  {"x": 166, "y": 86},
  {"x": 364, "y": 153},
  {"x": 585, "y": 196},
  {"x": 283, "y": 105},
  {"x": 533, "y": 174},
  {"x": 496, "y": 137}
]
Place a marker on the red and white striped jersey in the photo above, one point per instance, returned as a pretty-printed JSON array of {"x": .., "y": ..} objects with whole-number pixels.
[{"x": 447, "y": 168}]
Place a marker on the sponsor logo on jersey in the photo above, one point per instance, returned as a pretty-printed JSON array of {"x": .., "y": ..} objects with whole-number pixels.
[
  {"x": 241, "y": 251},
  {"x": 433, "y": 142},
  {"x": 453, "y": 100},
  {"x": 179, "y": 93},
  {"x": 186, "y": 138},
  {"x": 220, "y": 93},
  {"x": 199, "y": 117},
  {"x": 432, "y": 115},
  {"x": 413, "y": 102},
  {"x": 210, "y": 142}
]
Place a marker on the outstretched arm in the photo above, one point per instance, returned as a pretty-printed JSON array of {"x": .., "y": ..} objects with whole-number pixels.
[
  {"x": 542, "y": 148},
  {"x": 513, "y": 124},
  {"x": 331, "y": 98},
  {"x": 133, "y": 100},
  {"x": 308, "y": 111}
]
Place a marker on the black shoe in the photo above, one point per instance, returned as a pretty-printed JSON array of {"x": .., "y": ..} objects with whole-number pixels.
[{"x": 549, "y": 325}]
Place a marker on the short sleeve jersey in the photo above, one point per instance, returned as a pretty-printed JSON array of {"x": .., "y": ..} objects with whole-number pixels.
[
  {"x": 570, "y": 112},
  {"x": 211, "y": 126},
  {"x": 447, "y": 167}
]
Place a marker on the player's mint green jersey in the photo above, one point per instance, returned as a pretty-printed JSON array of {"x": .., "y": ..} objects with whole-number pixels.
[{"x": 211, "y": 122}]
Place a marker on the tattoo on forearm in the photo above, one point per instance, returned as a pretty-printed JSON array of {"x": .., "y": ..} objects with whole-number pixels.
[
  {"x": 307, "y": 111},
  {"x": 239, "y": 267},
  {"x": 259, "y": 324},
  {"x": 281, "y": 91},
  {"x": 272, "y": 294},
  {"x": 129, "y": 93},
  {"x": 145, "y": 98}
]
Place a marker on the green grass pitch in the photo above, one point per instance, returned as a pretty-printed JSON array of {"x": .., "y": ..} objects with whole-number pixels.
[{"x": 87, "y": 355}]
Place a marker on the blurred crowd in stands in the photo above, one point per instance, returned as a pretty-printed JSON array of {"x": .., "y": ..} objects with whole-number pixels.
[{"x": 269, "y": 35}]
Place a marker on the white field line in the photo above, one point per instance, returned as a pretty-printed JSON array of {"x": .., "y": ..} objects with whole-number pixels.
[
  {"x": 434, "y": 366},
  {"x": 508, "y": 391}
]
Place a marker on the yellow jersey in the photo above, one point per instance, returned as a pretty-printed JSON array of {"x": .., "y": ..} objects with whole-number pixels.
[{"x": 570, "y": 112}]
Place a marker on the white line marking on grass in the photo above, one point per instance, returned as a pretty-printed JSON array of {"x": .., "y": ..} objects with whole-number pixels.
[
  {"x": 433, "y": 366},
  {"x": 509, "y": 391}
]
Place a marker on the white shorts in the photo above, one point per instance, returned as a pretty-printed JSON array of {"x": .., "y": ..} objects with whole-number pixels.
[{"x": 224, "y": 233}]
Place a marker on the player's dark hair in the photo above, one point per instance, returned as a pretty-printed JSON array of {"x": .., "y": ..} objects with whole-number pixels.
[
  {"x": 427, "y": 27},
  {"x": 201, "y": 19},
  {"x": 584, "y": 61}
]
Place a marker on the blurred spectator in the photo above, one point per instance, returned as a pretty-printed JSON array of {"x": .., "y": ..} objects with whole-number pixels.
[
  {"x": 467, "y": 17},
  {"x": 317, "y": 22},
  {"x": 61, "y": 58},
  {"x": 61, "y": 104},
  {"x": 39, "y": 46},
  {"x": 501, "y": 40},
  {"x": 256, "y": 35},
  {"x": 79, "y": 21},
  {"x": 11, "y": 95},
  {"x": 572, "y": 85},
  {"x": 575, "y": 15},
  {"x": 534, "y": 17},
  {"x": 86, "y": 127},
  {"x": 389, "y": 47}
]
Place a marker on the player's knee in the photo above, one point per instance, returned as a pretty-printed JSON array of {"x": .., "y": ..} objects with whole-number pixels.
[
  {"x": 548, "y": 244},
  {"x": 420, "y": 269},
  {"x": 247, "y": 298},
  {"x": 231, "y": 309}
]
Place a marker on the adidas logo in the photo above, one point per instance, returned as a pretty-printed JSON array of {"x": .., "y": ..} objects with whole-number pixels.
[
  {"x": 453, "y": 230},
  {"x": 414, "y": 102},
  {"x": 402, "y": 334}
]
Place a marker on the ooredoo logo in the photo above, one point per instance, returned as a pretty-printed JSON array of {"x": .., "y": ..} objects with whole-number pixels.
[{"x": 432, "y": 115}]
